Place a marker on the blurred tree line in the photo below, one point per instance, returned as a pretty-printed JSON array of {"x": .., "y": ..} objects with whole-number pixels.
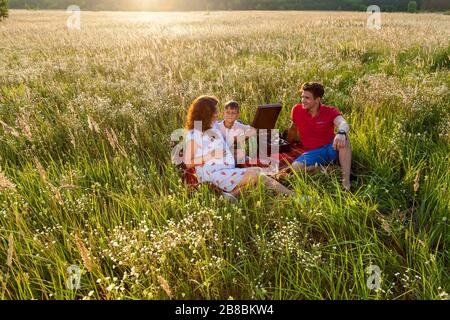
[
  {"x": 182, "y": 5},
  {"x": 3, "y": 9}
]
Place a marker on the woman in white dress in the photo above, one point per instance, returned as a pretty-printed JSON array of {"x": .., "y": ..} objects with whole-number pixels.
[{"x": 207, "y": 151}]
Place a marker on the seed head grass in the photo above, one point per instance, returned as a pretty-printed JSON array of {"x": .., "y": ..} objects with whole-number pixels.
[{"x": 86, "y": 177}]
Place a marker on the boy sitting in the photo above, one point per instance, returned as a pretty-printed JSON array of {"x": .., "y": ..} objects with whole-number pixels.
[{"x": 231, "y": 128}]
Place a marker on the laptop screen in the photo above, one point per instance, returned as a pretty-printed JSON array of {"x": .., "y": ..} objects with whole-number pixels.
[{"x": 266, "y": 116}]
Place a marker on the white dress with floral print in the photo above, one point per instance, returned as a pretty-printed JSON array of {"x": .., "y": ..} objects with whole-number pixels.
[{"x": 221, "y": 172}]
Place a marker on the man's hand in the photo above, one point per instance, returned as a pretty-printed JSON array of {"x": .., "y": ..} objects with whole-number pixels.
[{"x": 340, "y": 141}]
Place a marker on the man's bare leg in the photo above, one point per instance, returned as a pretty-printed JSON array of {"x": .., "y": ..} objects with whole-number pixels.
[
  {"x": 345, "y": 160},
  {"x": 298, "y": 166}
]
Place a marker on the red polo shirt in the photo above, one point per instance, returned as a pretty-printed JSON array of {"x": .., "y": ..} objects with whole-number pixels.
[{"x": 317, "y": 131}]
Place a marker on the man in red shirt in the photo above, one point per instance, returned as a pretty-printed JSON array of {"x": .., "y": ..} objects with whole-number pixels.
[{"x": 315, "y": 123}]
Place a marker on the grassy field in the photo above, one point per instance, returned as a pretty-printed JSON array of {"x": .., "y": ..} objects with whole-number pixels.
[{"x": 86, "y": 177}]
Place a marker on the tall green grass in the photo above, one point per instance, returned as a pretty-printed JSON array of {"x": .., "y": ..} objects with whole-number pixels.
[{"x": 86, "y": 177}]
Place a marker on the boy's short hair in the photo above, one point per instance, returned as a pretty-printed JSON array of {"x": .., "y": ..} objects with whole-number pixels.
[
  {"x": 232, "y": 105},
  {"x": 315, "y": 88}
]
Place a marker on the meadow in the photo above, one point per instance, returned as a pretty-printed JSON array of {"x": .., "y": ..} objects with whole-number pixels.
[{"x": 86, "y": 179}]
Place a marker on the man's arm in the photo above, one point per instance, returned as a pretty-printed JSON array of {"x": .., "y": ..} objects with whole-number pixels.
[
  {"x": 292, "y": 134},
  {"x": 341, "y": 140},
  {"x": 341, "y": 124}
]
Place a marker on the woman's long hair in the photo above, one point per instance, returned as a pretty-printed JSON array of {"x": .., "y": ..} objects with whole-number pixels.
[{"x": 202, "y": 109}]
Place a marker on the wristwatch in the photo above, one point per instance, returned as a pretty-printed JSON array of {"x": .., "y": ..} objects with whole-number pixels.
[{"x": 342, "y": 132}]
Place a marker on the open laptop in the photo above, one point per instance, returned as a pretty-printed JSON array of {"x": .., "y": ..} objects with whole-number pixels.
[{"x": 265, "y": 118}]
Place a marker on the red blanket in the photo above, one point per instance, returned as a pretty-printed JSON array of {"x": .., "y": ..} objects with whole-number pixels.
[{"x": 286, "y": 158}]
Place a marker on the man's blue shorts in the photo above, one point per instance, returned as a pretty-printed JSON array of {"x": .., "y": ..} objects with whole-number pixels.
[{"x": 323, "y": 155}]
